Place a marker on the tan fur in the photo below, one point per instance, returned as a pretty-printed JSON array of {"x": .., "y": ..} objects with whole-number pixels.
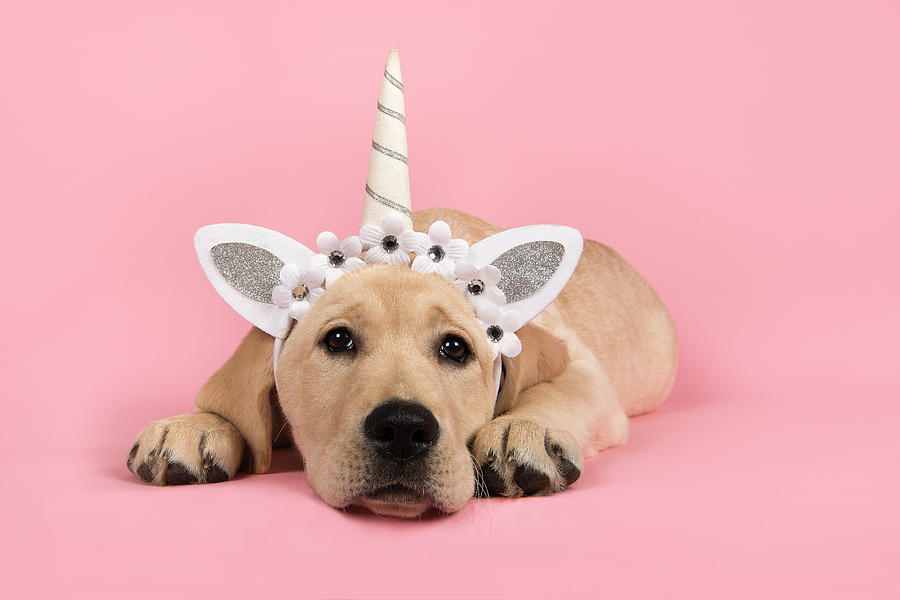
[{"x": 604, "y": 349}]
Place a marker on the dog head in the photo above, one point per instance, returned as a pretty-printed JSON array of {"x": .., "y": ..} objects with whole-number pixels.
[
  {"x": 386, "y": 373},
  {"x": 383, "y": 385}
]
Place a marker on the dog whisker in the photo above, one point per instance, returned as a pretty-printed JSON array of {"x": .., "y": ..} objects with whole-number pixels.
[{"x": 277, "y": 435}]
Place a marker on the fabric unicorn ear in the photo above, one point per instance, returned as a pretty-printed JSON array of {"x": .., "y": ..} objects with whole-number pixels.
[
  {"x": 244, "y": 264},
  {"x": 535, "y": 263}
]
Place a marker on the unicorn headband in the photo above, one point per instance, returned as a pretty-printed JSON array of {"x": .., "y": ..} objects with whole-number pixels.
[{"x": 272, "y": 280}]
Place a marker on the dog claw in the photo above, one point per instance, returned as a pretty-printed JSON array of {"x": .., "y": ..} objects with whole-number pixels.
[
  {"x": 145, "y": 473},
  {"x": 569, "y": 471},
  {"x": 131, "y": 455}
]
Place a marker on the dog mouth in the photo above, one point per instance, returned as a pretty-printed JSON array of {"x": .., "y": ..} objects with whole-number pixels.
[
  {"x": 395, "y": 500},
  {"x": 396, "y": 492}
]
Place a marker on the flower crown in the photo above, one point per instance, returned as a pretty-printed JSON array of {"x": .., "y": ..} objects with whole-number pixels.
[
  {"x": 391, "y": 244},
  {"x": 272, "y": 280}
]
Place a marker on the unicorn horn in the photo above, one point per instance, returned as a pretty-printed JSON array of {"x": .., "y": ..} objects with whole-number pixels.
[{"x": 387, "y": 184}]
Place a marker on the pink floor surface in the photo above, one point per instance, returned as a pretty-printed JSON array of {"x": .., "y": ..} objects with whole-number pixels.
[{"x": 743, "y": 156}]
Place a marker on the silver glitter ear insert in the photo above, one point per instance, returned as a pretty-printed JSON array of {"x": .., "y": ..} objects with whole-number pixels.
[
  {"x": 527, "y": 267},
  {"x": 243, "y": 263},
  {"x": 251, "y": 270}
]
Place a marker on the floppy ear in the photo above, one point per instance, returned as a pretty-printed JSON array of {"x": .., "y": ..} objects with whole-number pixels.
[
  {"x": 243, "y": 263},
  {"x": 535, "y": 264}
]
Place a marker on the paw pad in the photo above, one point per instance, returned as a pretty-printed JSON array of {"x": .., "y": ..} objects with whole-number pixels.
[
  {"x": 215, "y": 474},
  {"x": 530, "y": 480},
  {"x": 178, "y": 474}
]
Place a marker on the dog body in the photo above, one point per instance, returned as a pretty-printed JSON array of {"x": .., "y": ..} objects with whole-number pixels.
[{"x": 604, "y": 350}]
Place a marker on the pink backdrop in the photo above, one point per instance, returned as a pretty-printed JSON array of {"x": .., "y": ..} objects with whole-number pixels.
[{"x": 742, "y": 155}]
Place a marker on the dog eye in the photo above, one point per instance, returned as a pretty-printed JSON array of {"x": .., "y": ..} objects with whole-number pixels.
[
  {"x": 454, "y": 348},
  {"x": 339, "y": 340}
]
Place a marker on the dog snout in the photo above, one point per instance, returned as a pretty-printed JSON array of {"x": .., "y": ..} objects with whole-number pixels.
[{"x": 401, "y": 430}]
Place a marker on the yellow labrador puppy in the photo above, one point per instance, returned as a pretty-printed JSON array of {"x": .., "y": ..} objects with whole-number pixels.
[
  {"x": 387, "y": 389},
  {"x": 389, "y": 384}
]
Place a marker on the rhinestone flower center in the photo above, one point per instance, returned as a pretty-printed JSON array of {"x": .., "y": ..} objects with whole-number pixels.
[
  {"x": 495, "y": 333},
  {"x": 476, "y": 287},
  {"x": 337, "y": 258},
  {"x": 436, "y": 254},
  {"x": 300, "y": 292},
  {"x": 390, "y": 243}
]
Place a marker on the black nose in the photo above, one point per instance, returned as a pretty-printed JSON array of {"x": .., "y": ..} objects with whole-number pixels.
[{"x": 401, "y": 430}]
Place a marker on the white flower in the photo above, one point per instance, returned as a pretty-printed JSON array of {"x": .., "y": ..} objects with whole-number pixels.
[
  {"x": 391, "y": 243},
  {"x": 500, "y": 327},
  {"x": 479, "y": 285},
  {"x": 438, "y": 252},
  {"x": 337, "y": 257},
  {"x": 298, "y": 290}
]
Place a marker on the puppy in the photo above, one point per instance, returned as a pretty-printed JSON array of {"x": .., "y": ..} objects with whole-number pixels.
[{"x": 387, "y": 390}]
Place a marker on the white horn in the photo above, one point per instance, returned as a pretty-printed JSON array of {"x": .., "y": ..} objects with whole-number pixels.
[{"x": 387, "y": 184}]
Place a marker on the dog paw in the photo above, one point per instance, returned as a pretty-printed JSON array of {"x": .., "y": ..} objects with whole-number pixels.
[
  {"x": 517, "y": 457},
  {"x": 194, "y": 448}
]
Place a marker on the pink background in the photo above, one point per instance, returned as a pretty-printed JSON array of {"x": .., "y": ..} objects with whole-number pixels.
[{"x": 742, "y": 155}]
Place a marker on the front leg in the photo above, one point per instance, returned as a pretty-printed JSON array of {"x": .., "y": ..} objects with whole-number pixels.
[
  {"x": 197, "y": 448},
  {"x": 538, "y": 445}
]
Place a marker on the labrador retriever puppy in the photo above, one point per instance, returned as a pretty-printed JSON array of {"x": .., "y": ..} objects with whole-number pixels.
[{"x": 387, "y": 390}]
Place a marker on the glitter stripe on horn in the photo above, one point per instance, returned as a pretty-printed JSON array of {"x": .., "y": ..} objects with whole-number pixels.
[
  {"x": 387, "y": 183},
  {"x": 392, "y": 205},
  {"x": 391, "y": 113},
  {"x": 389, "y": 152}
]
